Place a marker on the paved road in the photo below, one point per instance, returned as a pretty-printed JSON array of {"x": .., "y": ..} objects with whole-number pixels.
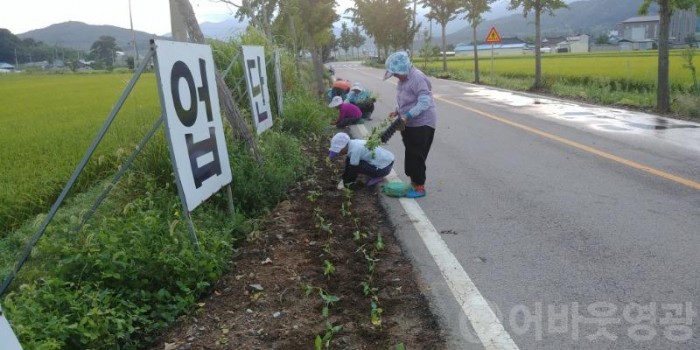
[{"x": 579, "y": 225}]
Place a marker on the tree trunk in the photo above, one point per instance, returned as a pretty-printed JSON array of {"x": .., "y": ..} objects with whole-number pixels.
[
  {"x": 444, "y": 48},
  {"x": 231, "y": 111},
  {"x": 538, "y": 47},
  {"x": 318, "y": 65},
  {"x": 663, "y": 98},
  {"x": 476, "y": 57}
]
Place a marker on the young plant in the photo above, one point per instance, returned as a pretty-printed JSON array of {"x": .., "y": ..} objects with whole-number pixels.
[
  {"x": 328, "y": 300},
  {"x": 367, "y": 288},
  {"x": 312, "y": 196},
  {"x": 345, "y": 207},
  {"x": 328, "y": 268},
  {"x": 379, "y": 243},
  {"x": 331, "y": 331},
  {"x": 376, "y": 313}
]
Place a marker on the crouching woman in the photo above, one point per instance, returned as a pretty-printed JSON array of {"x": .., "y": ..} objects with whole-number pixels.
[{"x": 375, "y": 163}]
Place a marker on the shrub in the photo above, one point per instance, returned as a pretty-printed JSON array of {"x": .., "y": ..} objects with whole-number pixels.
[
  {"x": 257, "y": 187},
  {"x": 687, "y": 104}
]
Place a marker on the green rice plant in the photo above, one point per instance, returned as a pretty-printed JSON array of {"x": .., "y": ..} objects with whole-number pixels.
[{"x": 49, "y": 121}]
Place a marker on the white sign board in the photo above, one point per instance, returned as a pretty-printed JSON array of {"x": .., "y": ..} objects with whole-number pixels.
[
  {"x": 8, "y": 340},
  {"x": 256, "y": 81},
  {"x": 190, "y": 103}
]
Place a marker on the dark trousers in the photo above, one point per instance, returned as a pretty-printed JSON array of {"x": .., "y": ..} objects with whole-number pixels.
[
  {"x": 366, "y": 107},
  {"x": 417, "y": 141},
  {"x": 351, "y": 171}
]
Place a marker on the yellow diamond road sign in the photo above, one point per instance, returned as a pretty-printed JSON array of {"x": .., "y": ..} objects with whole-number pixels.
[{"x": 493, "y": 37}]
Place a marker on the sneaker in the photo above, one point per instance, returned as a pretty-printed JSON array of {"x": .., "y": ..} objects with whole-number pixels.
[
  {"x": 375, "y": 180},
  {"x": 417, "y": 192}
]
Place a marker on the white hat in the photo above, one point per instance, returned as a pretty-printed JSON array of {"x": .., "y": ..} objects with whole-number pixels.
[
  {"x": 357, "y": 86},
  {"x": 336, "y": 101},
  {"x": 338, "y": 142}
]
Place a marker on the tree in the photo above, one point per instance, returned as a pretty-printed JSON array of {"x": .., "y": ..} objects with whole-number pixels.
[
  {"x": 103, "y": 50},
  {"x": 9, "y": 43},
  {"x": 389, "y": 22},
  {"x": 357, "y": 39},
  {"x": 345, "y": 40},
  {"x": 317, "y": 31},
  {"x": 537, "y": 6},
  {"x": 443, "y": 11},
  {"x": 602, "y": 39},
  {"x": 666, "y": 8},
  {"x": 474, "y": 10}
]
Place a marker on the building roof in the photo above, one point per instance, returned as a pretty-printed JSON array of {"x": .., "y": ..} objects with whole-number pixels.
[
  {"x": 641, "y": 19},
  {"x": 4, "y": 65},
  {"x": 506, "y": 43},
  {"x": 469, "y": 47}
]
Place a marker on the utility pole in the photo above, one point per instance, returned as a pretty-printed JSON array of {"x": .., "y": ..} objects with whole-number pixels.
[
  {"x": 177, "y": 22},
  {"x": 133, "y": 37}
]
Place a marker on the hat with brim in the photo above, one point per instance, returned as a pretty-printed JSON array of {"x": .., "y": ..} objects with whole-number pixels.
[
  {"x": 336, "y": 101},
  {"x": 338, "y": 142},
  {"x": 388, "y": 74},
  {"x": 397, "y": 63}
]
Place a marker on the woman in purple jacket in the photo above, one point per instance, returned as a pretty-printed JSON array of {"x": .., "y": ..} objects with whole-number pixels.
[
  {"x": 415, "y": 107},
  {"x": 348, "y": 113}
]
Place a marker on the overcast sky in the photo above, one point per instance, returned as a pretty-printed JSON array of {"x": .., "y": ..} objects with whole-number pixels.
[{"x": 151, "y": 16}]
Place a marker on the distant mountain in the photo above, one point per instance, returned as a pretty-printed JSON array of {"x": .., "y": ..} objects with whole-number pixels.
[
  {"x": 591, "y": 17},
  {"x": 81, "y": 36},
  {"x": 223, "y": 30}
]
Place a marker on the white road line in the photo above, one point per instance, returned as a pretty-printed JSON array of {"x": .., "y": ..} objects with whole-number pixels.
[{"x": 476, "y": 309}]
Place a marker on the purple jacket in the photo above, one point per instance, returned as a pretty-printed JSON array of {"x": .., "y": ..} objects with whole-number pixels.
[
  {"x": 348, "y": 111},
  {"x": 414, "y": 98}
]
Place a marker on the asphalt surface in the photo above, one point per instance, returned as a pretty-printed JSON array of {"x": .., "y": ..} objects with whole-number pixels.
[{"x": 578, "y": 224}]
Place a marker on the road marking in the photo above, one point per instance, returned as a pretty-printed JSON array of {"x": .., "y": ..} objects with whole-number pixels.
[
  {"x": 476, "y": 309},
  {"x": 624, "y": 161}
]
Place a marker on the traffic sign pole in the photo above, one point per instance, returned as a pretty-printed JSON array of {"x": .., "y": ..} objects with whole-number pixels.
[{"x": 493, "y": 38}]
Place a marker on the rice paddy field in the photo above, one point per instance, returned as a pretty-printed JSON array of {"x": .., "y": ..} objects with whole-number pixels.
[
  {"x": 47, "y": 123},
  {"x": 638, "y": 66}
]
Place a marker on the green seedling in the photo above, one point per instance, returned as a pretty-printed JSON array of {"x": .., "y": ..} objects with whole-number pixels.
[
  {"x": 328, "y": 268},
  {"x": 379, "y": 243},
  {"x": 356, "y": 236},
  {"x": 331, "y": 331},
  {"x": 376, "y": 314},
  {"x": 367, "y": 288},
  {"x": 345, "y": 209},
  {"x": 328, "y": 299},
  {"x": 312, "y": 196}
]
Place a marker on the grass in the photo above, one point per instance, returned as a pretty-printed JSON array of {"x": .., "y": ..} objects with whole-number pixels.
[
  {"x": 49, "y": 121},
  {"x": 131, "y": 270}
]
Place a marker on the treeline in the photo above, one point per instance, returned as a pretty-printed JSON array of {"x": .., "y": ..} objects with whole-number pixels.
[{"x": 14, "y": 50}]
